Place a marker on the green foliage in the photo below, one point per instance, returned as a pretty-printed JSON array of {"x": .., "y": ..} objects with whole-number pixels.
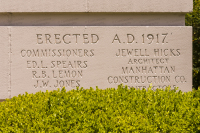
[
  {"x": 193, "y": 19},
  {"x": 110, "y": 110}
]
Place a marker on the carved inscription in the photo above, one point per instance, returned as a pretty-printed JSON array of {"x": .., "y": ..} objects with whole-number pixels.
[
  {"x": 142, "y": 67},
  {"x": 56, "y": 57},
  {"x": 66, "y": 38},
  {"x": 64, "y": 72}
]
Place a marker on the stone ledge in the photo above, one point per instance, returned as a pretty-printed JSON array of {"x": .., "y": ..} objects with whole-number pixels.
[
  {"x": 96, "y": 6},
  {"x": 92, "y": 19}
]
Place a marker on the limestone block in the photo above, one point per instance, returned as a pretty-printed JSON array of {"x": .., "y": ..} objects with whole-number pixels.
[
  {"x": 96, "y": 6},
  {"x": 43, "y": 6},
  {"x": 52, "y": 57},
  {"x": 140, "y": 6}
]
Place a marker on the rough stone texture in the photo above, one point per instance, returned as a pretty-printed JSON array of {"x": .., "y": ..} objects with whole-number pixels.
[
  {"x": 96, "y": 6},
  {"x": 92, "y": 19},
  {"x": 4, "y": 63},
  {"x": 98, "y": 64}
]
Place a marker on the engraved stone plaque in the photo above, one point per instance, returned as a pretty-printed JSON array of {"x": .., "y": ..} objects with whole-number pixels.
[{"x": 52, "y": 57}]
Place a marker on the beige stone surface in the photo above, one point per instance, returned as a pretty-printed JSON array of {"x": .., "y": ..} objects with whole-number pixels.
[
  {"x": 43, "y": 6},
  {"x": 92, "y": 19},
  {"x": 140, "y": 6},
  {"x": 96, "y": 6},
  {"x": 51, "y": 57},
  {"x": 4, "y": 63}
]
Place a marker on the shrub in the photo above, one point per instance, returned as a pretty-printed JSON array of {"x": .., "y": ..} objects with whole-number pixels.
[{"x": 110, "y": 110}]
